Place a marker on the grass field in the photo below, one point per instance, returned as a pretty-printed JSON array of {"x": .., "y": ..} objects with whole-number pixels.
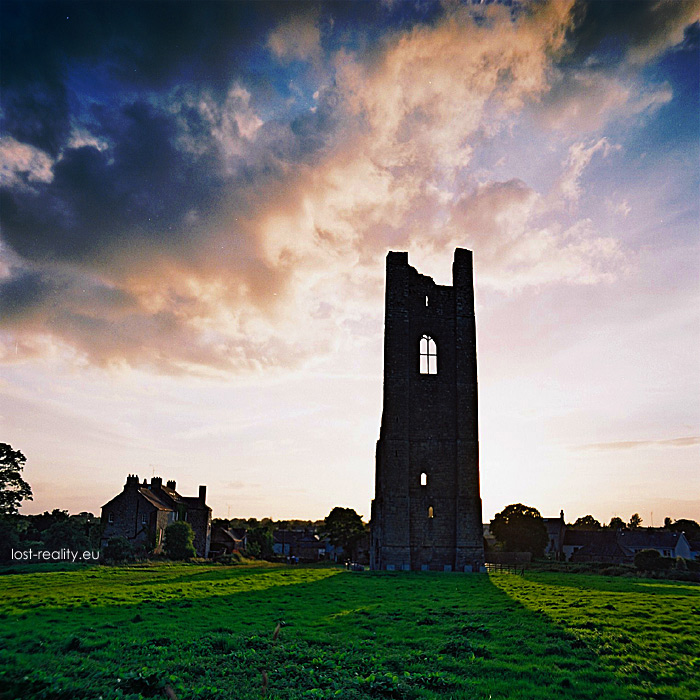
[{"x": 207, "y": 632}]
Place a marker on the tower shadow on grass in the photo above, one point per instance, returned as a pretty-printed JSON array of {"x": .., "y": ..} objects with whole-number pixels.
[{"x": 353, "y": 636}]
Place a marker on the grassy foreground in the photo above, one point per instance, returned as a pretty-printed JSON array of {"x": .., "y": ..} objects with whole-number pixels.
[{"x": 207, "y": 632}]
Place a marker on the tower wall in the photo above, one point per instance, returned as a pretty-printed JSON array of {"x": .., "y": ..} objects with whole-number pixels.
[{"x": 429, "y": 426}]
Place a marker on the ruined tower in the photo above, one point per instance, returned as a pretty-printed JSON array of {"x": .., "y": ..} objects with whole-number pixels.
[{"x": 426, "y": 513}]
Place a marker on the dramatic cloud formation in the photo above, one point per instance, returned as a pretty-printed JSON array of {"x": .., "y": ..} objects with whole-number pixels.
[{"x": 195, "y": 216}]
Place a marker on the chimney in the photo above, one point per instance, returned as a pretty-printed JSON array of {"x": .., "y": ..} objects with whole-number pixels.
[
  {"x": 156, "y": 482},
  {"x": 202, "y": 494},
  {"x": 132, "y": 481},
  {"x": 171, "y": 485}
]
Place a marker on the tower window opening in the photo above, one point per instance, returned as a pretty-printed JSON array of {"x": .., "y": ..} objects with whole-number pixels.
[
  {"x": 423, "y": 479},
  {"x": 428, "y": 355},
  {"x": 426, "y": 300},
  {"x": 431, "y": 512}
]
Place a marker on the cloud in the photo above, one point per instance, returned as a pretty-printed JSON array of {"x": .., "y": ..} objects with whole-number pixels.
[
  {"x": 23, "y": 163},
  {"x": 217, "y": 225},
  {"x": 425, "y": 97},
  {"x": 580, "y": 155},
  {"x": 297, "y": 38},
  {"x": 633, "y": 444},
  {"x": 639, "y": 31},
  {"x": 518, "y": 244},
  {"x": 585, "y": 100}
]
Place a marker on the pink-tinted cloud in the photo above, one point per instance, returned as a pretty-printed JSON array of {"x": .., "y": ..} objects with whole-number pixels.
[{"x": 200, "y": 233}]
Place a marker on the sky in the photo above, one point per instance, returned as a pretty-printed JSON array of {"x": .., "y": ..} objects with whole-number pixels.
[{"x": 196, "y": 201}]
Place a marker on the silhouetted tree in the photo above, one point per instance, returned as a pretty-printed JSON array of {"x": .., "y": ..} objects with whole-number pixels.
[
  {"x": 521, "y": 529},
  {"x": 690, "y": 527},
  {"x": 587, "y": 522},
  {"x": 617, "y": 523},
  {"x": 13, "y": 488},
  {"x": 178, "y": 541},
  {"x": 343, "y": 527},
  {"x": 635, "y": 521}
]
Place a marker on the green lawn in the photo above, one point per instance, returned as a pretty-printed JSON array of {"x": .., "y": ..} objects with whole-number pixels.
[{"x": 207, "y": 632}]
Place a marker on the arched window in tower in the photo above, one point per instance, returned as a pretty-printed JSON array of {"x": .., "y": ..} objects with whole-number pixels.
[
  {"x": 431, "y": 512},
  {"x": 428, "y": 355},
  {"x": 423, "y": 479}
]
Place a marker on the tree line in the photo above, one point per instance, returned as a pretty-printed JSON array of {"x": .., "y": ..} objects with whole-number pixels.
[{"x": 520, "y": 528}]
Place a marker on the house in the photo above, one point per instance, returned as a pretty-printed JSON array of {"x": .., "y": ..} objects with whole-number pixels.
[
  {"x": 303, "y": 544},
  {"x": 556, "y": 528},
  {"x": 597, "y": 546},
  {"x": 620, "y": 546},
  {"x": 667, "y": 543},
  {"x": 142, "y": 511},
  {"x": 227, "y": 540}
]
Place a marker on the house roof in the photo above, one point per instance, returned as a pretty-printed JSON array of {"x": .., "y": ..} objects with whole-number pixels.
[
  {"x": 648, "y": 537},
  {"x": 581, "y": 538},
  {"x": 603, "y": 548},
  {"x": 221, "y": 534},
  {"x": 193, "y": 503},
  {"x": 154, "y": 500},
  {"x": 554, "y": 525}
]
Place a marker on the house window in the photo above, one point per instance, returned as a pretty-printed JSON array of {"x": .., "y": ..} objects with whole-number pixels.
[
  {"x": 423, "y": 479},
  {"x": 667, "y": 552},
  {"x": 428, "y": 355},
  {"x": 110, "y": 518},
  {"x": 431, "y": 512},
  {"x": 144, "y": 519}
]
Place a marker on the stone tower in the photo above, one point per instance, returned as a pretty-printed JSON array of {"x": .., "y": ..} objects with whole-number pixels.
[{"x": 426, "y": 513}]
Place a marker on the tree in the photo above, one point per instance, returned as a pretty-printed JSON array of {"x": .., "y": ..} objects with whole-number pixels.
[
  {"x": 521, "y": 529},
  {"x": 66, "y": 533},
  {"x": 259, "y": 541},
  {"x": 344, "y": 528},
  {"x": 617, "y": 523},
  {"x": 587, "y": 522},
  {"x": 13, "y": 488},
  {"x": 635, "y": 521},
  {"x": 690, "y": 527},
  {"x": 118, "y": 549},
  {"x": 178, "y": 541}
]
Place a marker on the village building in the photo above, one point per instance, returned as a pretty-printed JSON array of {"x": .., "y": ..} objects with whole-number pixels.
[
  {"x": 142, "y": 511},
  {"x": 226, "y": 540},
  {"x": 620, "y": 546},
  {"x": 556, "y": 529}
]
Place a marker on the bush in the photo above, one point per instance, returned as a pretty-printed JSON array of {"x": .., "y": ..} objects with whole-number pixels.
[
  {"x": 9, "y": 539},
  {"x": 647, "y": 560},
  {"x": 233, "y": 558},
  {"x": 118, "y": 549},
  {"x": 651, "y": 560},
  {"x": 178, "y": 541}
]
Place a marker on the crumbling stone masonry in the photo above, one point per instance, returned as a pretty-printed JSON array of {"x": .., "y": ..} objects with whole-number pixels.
[{"x": 426, "y": 514}]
